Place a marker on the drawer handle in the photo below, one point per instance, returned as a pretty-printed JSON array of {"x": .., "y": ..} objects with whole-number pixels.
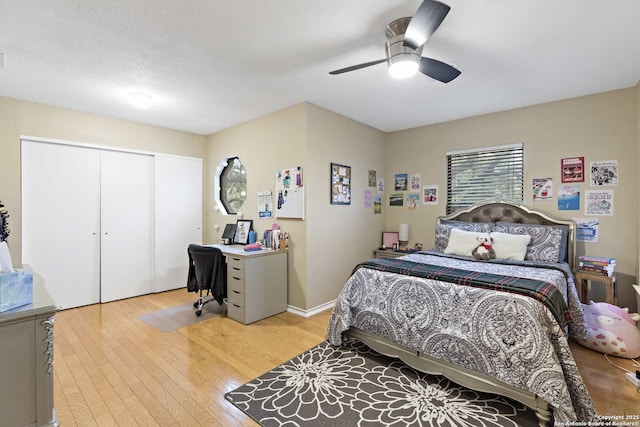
[
  {"x": 236, "y": 269},
  {"x": 237, "y": 278},
  {"x": 236, "y": 292},
  {"x": 236, "y": 305}
]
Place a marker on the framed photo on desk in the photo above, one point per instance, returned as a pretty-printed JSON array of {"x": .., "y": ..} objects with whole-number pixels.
[{"x": 243, "y": 226}]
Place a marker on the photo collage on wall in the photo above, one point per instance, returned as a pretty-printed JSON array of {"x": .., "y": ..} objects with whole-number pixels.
[{"x": 410, "y": 193}]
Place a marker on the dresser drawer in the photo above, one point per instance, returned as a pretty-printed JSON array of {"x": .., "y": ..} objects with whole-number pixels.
[{"x": 236, "y": 312}]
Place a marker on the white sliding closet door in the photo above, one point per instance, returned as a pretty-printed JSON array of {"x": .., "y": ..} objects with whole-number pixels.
[
  {"x": 178, "y": 219},
  {"x": 126, "y": 224},
  {"x": 61, "y": 220}
]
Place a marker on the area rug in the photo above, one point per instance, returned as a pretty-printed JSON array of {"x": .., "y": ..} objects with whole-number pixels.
[
  {"x": 355, "y": 386},
  {"x": 173, "y": 318}
]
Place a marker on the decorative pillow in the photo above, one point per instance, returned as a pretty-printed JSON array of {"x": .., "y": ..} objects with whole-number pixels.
[
  {"x": 610, "y": 330},
  {"x": 462, "y": 242},
  {"x": 443, "y": 231},
  {"x": 510, "y": 246},
  {"x": 548, "y": 242}
]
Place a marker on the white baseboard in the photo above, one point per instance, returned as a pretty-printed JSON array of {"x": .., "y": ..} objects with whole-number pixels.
[{"x": 312, "y": 311}]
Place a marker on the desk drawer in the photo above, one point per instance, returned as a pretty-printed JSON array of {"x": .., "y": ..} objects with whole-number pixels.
[
  {"x": 236, "y": 312},
  {"x": 235, "y": 263},
  {"x": 235, "y": 296},
  {"x": 235, "y": 283}
]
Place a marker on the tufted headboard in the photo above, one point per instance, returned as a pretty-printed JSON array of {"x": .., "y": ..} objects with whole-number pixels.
[{"x": 495, "y": 210}]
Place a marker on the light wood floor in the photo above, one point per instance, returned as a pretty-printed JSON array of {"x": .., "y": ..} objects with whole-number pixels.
[{"x": 112, "y": 369}]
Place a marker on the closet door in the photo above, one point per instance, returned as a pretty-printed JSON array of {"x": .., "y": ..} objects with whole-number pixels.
[
  {"x": 178, "y": 218},
  {"x": 126, "y": 225},
  {"x": 61, "y": 220}
]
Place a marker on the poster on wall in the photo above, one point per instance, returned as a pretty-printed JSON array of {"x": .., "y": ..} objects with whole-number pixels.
[
  {"x": 430, "y": 195},
  {"x": 367, "y": 198},
  {"x": 396, "y": 199},
  {"x": 542, "y": 189},
  {"x": 289, "y": 193},
  {"x": 572, "y": 169},
  {"x": 372, "y": 178},
  {"x": 587, "y": 229},
  {"x": 265, "y": 204},
  {"x": 415, "y": 182},
  {"x": 598, "y": 202},
  {"x": 377, "y": 204},
  {"x": 411, "y": 200},
  {"x": 604, "y": 172},
  {"x": 401, "y": 181},
  {"x": 569, "y": 197},
  {"x": 380, "y": 185}
]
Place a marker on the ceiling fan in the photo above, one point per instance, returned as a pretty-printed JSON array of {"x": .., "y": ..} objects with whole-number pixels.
[{"x": 405, "y": 40}]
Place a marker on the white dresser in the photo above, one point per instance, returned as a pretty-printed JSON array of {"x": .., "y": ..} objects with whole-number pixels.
[
  {"x": 256, "y": 283},
  {"x": 26, "y": 363}
]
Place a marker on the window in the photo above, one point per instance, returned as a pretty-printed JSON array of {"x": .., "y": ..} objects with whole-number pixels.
[
  {"x": 479, "y": 174},
  {"x": 231, "y": 185}
]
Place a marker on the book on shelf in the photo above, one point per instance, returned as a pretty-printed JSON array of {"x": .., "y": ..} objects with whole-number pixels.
[{"x": 597, "y": 259}]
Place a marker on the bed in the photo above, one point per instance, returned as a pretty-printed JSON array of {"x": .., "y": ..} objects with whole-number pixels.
[{"x": 498, "y": 326}]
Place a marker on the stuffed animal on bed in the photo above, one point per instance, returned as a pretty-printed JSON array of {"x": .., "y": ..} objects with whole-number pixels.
[
  {"x": 484, "y": 250},
  {"x": 611, "y": 330}
]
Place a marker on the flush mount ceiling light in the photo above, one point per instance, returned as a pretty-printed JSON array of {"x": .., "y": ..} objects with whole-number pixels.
[{"x": 140, "y": 100}]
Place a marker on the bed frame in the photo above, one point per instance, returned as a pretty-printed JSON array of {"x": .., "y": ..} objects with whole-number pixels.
[{"x": 489, "y": 211}]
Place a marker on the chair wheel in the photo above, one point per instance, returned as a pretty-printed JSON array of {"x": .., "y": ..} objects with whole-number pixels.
[
  {"x": 198, "y": 312},
  {"x": 195, "y": 304}
]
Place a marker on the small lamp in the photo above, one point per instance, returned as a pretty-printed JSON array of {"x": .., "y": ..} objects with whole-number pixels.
[{"x": 403, "y": 235}]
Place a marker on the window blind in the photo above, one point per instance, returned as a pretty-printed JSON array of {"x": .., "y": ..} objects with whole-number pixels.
[{"x": 485, "y": 173}]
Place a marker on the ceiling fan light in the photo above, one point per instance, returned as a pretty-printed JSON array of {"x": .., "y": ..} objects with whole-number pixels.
[{"x": 403, "y": 69}]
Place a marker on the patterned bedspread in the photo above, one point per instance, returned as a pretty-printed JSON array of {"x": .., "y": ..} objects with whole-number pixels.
[{"x": 508, "y": 336}]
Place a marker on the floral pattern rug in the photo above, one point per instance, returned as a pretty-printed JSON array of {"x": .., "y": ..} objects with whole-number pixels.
[{"x": 353, "y": 385}]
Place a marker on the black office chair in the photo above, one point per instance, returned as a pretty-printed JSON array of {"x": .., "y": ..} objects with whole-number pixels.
[{"x": 207, "y": 272}]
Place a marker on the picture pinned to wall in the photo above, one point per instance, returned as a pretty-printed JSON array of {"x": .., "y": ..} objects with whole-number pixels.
[
  {"x": 396, "y": 199},
  {"x": 368, "y": 200},
  {"x": 604, "y": 172},
  {"x": 430, "y": 195},
  {"x": 265, "y": 204},
  {"x": 377, "y": 204},
  {"x": 542, "y": 189},
  {"x": 380, "y": 185},
  {"x": 569, "y": 197},
  {"x": 572, "y": 169},
  {"x": 372, "y": 178},
  {"x": 587, "y": 229},
  {"x": 411, "y": 200},
  {"x": 401, "y": 181},
  {"x": 415, "y": 182},
  {"x": 598, "y": 202},
  {"x": 340, "y": 184},
  {"x": 290, "y": 193}
]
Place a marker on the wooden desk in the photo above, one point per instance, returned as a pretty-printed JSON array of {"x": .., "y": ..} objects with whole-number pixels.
[
  {"x": 256, "y": 283},
  {"x": 582, "y": 279}
]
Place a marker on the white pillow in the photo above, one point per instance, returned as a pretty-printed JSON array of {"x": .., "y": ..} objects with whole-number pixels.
[
  {"x": 510, "y": 246},
  {"x": 462, "y": 242}
]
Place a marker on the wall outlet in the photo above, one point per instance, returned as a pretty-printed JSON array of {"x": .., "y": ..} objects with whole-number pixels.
[{"x": 632, "y": 379}]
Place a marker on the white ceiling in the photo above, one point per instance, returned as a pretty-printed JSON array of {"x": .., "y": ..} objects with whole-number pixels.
[{"x": 212, "y": 64}]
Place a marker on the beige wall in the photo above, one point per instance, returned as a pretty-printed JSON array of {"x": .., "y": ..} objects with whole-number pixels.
[
  {"x": 25, "y": 118},
  {"x": 339, "y": 236},
  {"x": 331, "y": 239},
  {"x": 598, "y": 127},
  {"x": 264, "y": 145}
]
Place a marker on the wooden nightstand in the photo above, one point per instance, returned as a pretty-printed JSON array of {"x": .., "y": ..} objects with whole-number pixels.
[
  {"x": 582, "y": 279},
  {"x": 388, "y": 253}
]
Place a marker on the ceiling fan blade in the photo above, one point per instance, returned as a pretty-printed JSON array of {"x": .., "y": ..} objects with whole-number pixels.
[
  {"x": 438, "y": 70},
  {"x": 357, "y": 67},
  {"x": 425, "y": 22}
]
